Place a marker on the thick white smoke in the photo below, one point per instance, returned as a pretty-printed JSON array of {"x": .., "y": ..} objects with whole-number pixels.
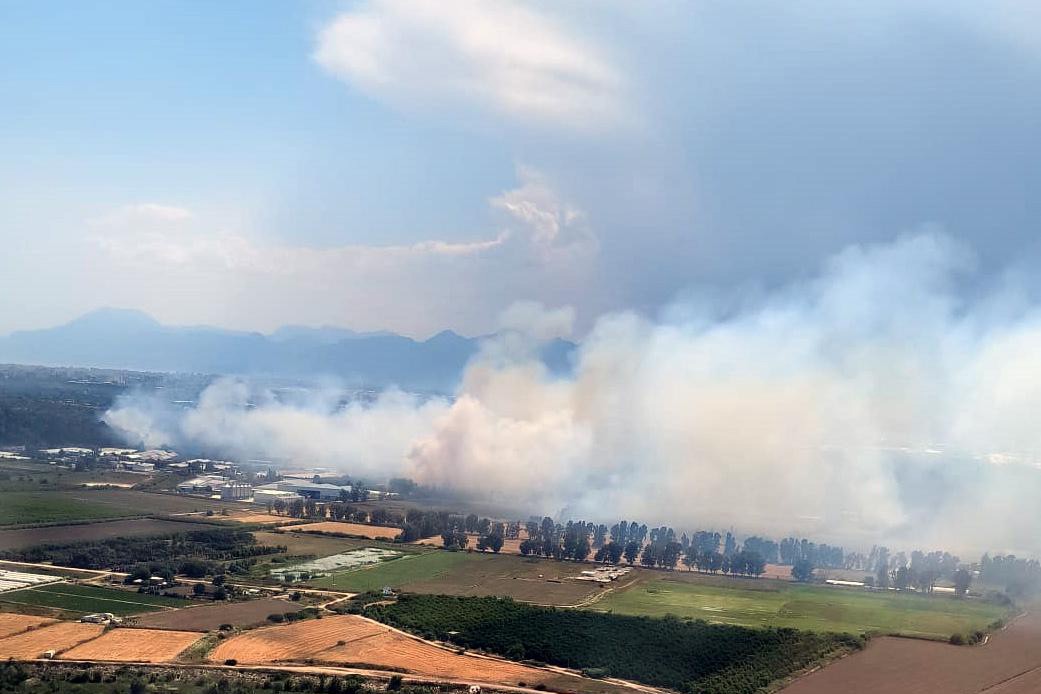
[{"x": 874, "y": 402}]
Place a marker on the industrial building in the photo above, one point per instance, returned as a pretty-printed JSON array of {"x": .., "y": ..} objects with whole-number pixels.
[{"x": 311, "y": 490}]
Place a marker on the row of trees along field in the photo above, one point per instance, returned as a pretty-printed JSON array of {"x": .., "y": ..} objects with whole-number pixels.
[
  {"x": 124, "y": 553},
  {"x": 703, "y": 550}
]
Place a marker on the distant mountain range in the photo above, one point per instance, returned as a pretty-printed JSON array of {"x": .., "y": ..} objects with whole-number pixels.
[{"x": 126, "y": 339}]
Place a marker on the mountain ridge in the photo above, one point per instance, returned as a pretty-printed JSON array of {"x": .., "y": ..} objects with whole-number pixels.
[{"x": 131, "y": 339}]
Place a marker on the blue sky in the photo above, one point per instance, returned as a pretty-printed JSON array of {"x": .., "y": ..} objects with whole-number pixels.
[{"x": 417, "y": 166}]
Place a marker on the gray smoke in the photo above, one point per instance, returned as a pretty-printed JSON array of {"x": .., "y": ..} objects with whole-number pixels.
[{"x": 879, "y": 401}]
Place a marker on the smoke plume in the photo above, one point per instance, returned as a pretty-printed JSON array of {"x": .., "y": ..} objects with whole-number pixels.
[{"x": 879, "y": 401}]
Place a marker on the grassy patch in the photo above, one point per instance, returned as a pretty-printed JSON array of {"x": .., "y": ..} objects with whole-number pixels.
[
  {"x": 805, "y": 607},
  {"x": 397, "y": 572},
  {"x": 86, "y": 599}
]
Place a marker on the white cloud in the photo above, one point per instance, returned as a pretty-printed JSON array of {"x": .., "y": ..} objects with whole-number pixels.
[
  {"x": 173, "y": 263},
  {"x": 504, "y": 57},
  {"x": 553, "y": 222}
]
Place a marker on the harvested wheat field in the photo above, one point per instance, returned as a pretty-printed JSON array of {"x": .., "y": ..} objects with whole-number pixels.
[
  {"x": 16, "y": 623},
  {"x": 134, "y": 645},
  {"x": 56, "y": 637},
  {"x": 353, "y": 640},
  {"x": 267, "y": 518},
  {"x": 508, "y": 546},
  {"x": 1009, "y": 663},
  {"x": 370, "y": 532}
]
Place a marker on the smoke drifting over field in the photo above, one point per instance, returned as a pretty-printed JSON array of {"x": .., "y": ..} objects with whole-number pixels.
[{"x": 873, "y": 402}]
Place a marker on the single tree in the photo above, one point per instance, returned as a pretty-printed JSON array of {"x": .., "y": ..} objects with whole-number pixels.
[
  {"x": 962, "y": 581},
  {"x": 631, "y": 551},
  {"x": 802, "y": 570}
]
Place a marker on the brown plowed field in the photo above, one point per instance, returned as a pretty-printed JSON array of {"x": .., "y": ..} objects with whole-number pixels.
[
  {"x": 1009, "y": 663},
  {"x": 54, "y": 637},
  {"x": 134, "y": 645},
  {"x": 16, "y": 623},
  {"x": 370, "y": 531},
  {"x": 366, "y": 642},
  {"x": 209, "y": 617}
]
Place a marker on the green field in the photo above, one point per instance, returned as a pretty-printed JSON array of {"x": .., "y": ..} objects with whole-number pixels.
[
  {"x": 815, "y": 608},
  {"x": 396, "y": 572},
  {"x": 439, "y": 572},
  {"x": 43, "y": 507},
  {"x": 86, "y": 599}
]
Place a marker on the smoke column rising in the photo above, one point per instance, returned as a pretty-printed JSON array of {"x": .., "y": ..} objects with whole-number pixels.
[{"x": 874, "y": 402}]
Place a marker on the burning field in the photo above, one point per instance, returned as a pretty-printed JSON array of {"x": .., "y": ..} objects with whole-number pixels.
[
  {"x": 350, "y": 640},
  {"x": 134, "y": 645}
]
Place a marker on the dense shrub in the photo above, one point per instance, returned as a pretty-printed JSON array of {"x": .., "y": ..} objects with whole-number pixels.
[{"x": 690, "y": 656}]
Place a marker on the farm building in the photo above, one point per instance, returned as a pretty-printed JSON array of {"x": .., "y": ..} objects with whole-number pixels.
[
  {"x": 311, "y": 490},
  {"x": 206, "y": 484},
  {"x": 264, "y": 496},
  {"x": 235, "y": 491}
]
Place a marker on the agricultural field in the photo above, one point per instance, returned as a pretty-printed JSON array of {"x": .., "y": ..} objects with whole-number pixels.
[
  {"x": 508, "y": 546},
  {"x": 209, "y": 617},
  {"x": 89, "y": 532},
  {"x": 134, "y": 645},
  {"x": 1010, "y": 663},
  {"x": 310, "y": 544},
  {"x": 683, "y": 655},
  {"x": 350, "y": 640},
  {"x": 371, "y": 532},
  {"x": 347, "y": 561},
  {"x": 20, "y": 476},
  {"x": 84, "y": 504},
  {"x": 471, "y": 573},
  {"x": 87, "y": 598},
  {"x": 762, "y": 603},
  {"x": 154, "y": 503},
  {"x": 59, "y": 636},
  {"x": 16, "y": 623},
  {"x": 397, "y": 573},
  {"x": 23, "y": 508},
  {"x": 255, "y": 518}
]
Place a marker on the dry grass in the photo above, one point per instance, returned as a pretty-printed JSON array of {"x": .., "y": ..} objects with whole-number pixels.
[
  {"x": 349, "y": 639},
  {"x": 134, "y": 645},
  {"x": 369, "y": 531},
  {"x": 53, "y": 637},
  {"x": 266, "y": 518},
  {"x": 15, "y": 623},
  {"x": 508, "y": 546}
]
